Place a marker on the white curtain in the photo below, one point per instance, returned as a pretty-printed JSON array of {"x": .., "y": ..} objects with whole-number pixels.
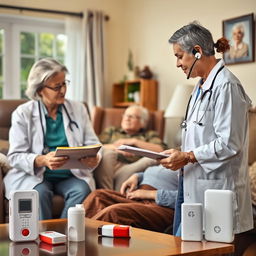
[
  {"x": 95, "y": 76},
  {"x": 74, "y": 57},
  {"x": 85, "y": 58}
]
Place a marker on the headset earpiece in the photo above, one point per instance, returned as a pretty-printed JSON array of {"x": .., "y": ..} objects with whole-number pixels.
[{"x": 196, "y": 54}]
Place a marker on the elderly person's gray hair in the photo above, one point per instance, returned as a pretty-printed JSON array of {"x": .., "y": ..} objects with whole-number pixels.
[
  {"x": 239, "y": 27},
  {"x": 41, "y": 71},
  {"x": 194, "y": 34},
  {"x": 144, "y": 114}
]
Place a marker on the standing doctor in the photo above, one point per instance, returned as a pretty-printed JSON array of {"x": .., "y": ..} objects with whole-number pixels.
[{"x": 215, "y": 130}]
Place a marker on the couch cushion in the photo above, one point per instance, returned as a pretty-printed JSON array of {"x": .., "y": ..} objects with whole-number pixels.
[
  {"x": 4, "y": 146},
  {"x": 6, "y": 109},
  {"x": 4, "y": 165},
  {"x": 252, "y": 174},
  {"x": 252, "y": 136}
]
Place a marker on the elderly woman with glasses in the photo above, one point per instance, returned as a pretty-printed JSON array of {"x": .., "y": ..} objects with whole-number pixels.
[
  {"x": 117, "y": 166},
  {"x": 40, "y": 125}
]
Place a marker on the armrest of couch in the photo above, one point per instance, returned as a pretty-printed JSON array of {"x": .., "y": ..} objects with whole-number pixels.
[
  {"x": 4, "y": 167},
  {"x": 1, "y": 197}
]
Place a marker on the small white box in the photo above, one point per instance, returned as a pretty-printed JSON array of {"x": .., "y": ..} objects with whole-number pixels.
[
  {"x": 52, "y": 237},
  {"x": 219, "y": 215},
  {"x": 53, "y": 248},
  {"x": 191, "y": 222}
]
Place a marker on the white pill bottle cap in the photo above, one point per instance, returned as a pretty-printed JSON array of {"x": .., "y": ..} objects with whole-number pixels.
[{"x": 76, "y": 223}]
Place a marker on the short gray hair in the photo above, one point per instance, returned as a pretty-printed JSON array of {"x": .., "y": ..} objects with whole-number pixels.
[
  {"x": 144, "y": 114},
  {"x": 238, "y": 26},
  {"x": 194, "y": 34},
  {"x": 41, "y": 71}
]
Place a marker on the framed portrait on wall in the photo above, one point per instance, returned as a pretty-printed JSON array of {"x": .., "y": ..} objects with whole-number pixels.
[{"x": 240, "y": 33}]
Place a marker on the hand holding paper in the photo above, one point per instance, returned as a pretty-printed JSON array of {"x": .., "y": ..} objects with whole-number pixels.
[{"x": 143, "y": 152}]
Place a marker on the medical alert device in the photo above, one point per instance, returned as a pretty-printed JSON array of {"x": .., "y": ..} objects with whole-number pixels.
[
  {"x": 76, "y": 220},
  {"x": 52, "y": 249},
  {"x": 52, "y": 237},
  {"x": 26, "y": 248},
  {"x": 219, "y": 215},
  {"x": 23, "y": 215},
  {"x": 191, "y": 222},
  {"x": 114, "y": 230},
  {"x": 121, "y": 242}
]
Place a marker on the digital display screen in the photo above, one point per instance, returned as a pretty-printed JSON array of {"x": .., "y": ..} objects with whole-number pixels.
[{"x": 25, "y": 205}]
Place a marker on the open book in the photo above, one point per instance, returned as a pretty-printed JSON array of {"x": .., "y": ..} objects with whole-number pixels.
[
  {"x": 75, "y": 154},
  {"x": 142, "y": 152}
]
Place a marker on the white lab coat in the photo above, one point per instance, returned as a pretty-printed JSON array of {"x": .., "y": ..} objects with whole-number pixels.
[
  {"x": 27, "y": 142},
  {"x": 220, "y": 145}
]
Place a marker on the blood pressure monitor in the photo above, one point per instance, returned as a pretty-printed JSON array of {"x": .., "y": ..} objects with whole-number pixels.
[{"x": 24, "y": 215}]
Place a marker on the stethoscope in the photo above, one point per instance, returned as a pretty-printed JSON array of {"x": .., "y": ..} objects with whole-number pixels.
[
  {"x": 183, "y": 125},
  {"x": 46, "y": 149}
]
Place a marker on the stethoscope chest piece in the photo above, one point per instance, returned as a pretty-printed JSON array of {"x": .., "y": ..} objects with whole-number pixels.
[
  {"x": 46, "y": 150},
  {"x": 183, "y": 124}
]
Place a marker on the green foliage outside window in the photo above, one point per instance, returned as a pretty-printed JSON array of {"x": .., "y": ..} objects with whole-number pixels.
[
  {"x": 26, "y": 64},
  {"x": 27, "y": 42},
  {"x": 46, "y": 45},
  {"x": 35, "y": 46},
  {"x": 61, "y": 46}
]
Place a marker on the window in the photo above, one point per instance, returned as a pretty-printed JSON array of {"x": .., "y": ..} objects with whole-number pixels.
[
  {"x": 34, "y": 46},
  {"x": 28, "y": 40}
]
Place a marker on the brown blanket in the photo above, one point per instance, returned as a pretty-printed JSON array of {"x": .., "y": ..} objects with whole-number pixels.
[{"x": 111, "y": 206}]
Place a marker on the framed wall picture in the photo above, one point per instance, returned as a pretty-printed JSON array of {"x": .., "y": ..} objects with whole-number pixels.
[{"x": 240, "y": 33}]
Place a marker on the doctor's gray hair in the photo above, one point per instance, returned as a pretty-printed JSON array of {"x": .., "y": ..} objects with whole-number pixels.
[
  {"x": 194, "y": 34},
  {"x": 144, "y": 114},
  {"x": 41, "y": 71}
]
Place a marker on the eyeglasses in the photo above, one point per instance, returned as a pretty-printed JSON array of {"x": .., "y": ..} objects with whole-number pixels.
[
  {"x": 131, "y": 116},
  {"x": 58, "y": 87}
]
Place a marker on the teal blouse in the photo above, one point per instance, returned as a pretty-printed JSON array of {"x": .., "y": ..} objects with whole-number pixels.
[{"x": 55, "y": 137}]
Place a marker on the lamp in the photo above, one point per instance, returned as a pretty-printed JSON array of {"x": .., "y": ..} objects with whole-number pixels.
[
  {"x": 176, "y": 109},
  {"x": 178, "y": 103}
]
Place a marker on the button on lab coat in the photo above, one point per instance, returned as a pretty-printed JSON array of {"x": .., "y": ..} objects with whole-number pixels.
[{"x": 220, "y": 144}]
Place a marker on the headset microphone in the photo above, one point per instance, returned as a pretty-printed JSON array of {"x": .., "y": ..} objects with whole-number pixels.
[
  {"x": 197, "y": 57},
  {"x": 189, "y": 73}
]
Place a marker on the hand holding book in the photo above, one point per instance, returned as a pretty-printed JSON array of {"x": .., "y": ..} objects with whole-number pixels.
[{"x": 75, "y": 154}]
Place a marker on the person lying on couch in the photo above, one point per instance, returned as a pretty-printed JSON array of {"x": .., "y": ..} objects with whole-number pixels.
[
  {"x": 146, "y": 200},
  {"x": 40, "y": 125},
  {"x": 116, "y": 166}
]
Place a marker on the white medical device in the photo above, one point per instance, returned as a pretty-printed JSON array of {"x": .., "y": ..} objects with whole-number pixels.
[
  {"x": 26, "y": 248},
  {"x": 192, "y": 222},
  {"x": 23, "y": 215},
  {"x": 219, "y": 215}
]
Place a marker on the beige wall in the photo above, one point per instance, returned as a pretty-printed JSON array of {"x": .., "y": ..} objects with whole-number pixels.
[
  {"x": 145, "y": 26},
  {"x": 153, "y": 21}
]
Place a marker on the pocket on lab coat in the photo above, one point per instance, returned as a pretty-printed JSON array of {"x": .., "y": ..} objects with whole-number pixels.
[{"x": 203, "y": 185}]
